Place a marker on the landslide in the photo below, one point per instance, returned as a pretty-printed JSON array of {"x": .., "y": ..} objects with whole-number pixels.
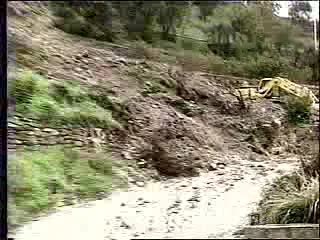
[{"x": 174, "y": 123}]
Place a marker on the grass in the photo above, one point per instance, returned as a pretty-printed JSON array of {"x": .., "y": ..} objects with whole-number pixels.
[
  {"x": 58, "y": 103},
  {"x": 39, "y": 180},
  {"x": 291, "y": 199},
  {"x": 299, "y": 110}
]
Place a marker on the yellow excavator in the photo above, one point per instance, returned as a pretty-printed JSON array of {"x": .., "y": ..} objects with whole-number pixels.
[{"x": 274, "y": 88}]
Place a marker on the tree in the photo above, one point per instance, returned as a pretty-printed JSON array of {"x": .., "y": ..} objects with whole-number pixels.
[
  {"x": 300, "y": 11},
  {"x": 170, "y": 17},
  {"x": 138, "y": 17},
  {"x": 206, "y": 7}
]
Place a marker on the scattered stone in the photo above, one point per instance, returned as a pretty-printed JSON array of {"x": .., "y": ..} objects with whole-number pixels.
[
  {"x": 85, "y": 54},
  {"x": 140, "y": 184},
  {"x": 219, "y": 164},
  {"x": 126, "y": 155},
  {"x": 193, "y": 205},
  {"x": 194, "y": 199},
  {"x": 212, "y": 167},
  {"x": 125, "y": 225}
]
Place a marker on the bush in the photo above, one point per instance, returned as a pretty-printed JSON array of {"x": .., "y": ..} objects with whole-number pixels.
[
  {"x": 299, "y": 110},
  {"x": 65, "y": 103},
  {"x": 300, "y": 74},
  {"x": 291, "y": 199},
  {"x": 39, "y": 180},
  {"x": 26, "y": 85},
  {"x": 265, "y": 66},
  {"x": 87, "y": 20},
  {"x": 152, "y": 88},
  {"x": 194, "y": 45}
]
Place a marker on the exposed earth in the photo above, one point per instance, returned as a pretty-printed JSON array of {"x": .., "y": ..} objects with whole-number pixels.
[{"x": 197, "y": 158}]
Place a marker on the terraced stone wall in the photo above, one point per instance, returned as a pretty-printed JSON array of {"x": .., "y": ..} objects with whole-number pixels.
[{"x": 29, "y": 132}]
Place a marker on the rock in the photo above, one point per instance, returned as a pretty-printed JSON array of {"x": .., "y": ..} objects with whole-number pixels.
[
  {"x": 194, "y": 199},
  {"x": 126, "y": 155},
  {"x": 276, "y": 123},
  {"x": 140, "y": 184},
  {"x": 125, "y": 225},
  {"x": 85, "y": 54},
  {"x": 122, "y": 204},
  {"x": 212, "y": 167},
  {"x": 142, "y": 163},
  {"x": 193, "y": 205},
  {"x": 221, "y": 164}
]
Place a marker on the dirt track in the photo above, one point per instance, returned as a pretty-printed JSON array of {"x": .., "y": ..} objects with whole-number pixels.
[{"x": 213, "y": 205}]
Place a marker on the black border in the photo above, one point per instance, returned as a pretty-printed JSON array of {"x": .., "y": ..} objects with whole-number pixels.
[{"x": 3, "y": 119}]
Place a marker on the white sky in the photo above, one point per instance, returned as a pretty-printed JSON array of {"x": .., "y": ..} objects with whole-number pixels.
[{"x": 283, "y": 12}]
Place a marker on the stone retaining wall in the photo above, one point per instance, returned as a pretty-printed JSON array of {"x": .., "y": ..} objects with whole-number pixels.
[
  {"x": 29, "y": 132},
  {"x": 282, "y": 231}
]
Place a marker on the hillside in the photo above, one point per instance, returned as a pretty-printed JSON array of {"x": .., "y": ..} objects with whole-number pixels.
[{"x": 171, "y": 122}]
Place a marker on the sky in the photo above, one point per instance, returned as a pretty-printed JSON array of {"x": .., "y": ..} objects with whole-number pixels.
[{"x": 283, "y": 12}]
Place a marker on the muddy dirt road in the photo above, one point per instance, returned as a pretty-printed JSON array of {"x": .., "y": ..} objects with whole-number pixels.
[{"x": 213, "y": 205}]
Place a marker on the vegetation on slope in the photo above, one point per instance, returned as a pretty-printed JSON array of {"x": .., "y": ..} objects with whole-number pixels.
[
  {"x": 246, "y": 41},
  {"x": 58, "y": 103},
  {"x": 291, "y": 199},
  {"x": 39, "y": 181}
]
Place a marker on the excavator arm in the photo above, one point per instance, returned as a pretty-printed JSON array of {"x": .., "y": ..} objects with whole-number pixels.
[{"x": 271, "y": 87}]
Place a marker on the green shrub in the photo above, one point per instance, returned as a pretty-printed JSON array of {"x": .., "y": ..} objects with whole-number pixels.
[
  {"x": 152, "y": 88},
  {"x": 194, "y": 45},
  {"x": 300, "y": 74},
  {"x": 265, "y": 66},
  {"x": 299, "y": 110},
  {"x": 43, "y": 107},
  {"x": 86, "y": 21},
  {"x": 291, "y": 199},
  {"x": 67, "y": 103},
  {"x": 75, "y": 25},
  {"x": 37, "y": 180},
  {"x": 70, "y": 91},
  {"x": 26, "y": 85},
  {"x": 86, "y": 114}
]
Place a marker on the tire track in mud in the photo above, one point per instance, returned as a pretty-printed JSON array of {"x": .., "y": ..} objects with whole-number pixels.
[{"x": 214, "y": 205}]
